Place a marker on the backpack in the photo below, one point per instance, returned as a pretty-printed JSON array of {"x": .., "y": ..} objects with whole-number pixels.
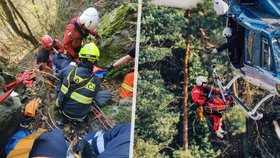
[{"x": 21, "y": 133}]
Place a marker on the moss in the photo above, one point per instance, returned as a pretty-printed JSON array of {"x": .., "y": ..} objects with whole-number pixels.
[
  {"x": 118, "y": 114},
  {"x": 118, "y": 19}
]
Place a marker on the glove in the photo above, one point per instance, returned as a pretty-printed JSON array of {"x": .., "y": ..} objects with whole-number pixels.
[
  {"x": 109, "y": 67},
  {"x": 215, "y": 51}
]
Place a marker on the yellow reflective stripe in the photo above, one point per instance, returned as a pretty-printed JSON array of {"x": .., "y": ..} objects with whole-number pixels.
[
  {"x": 125, "y": 86},
  {"x": 73, "y": 118},
  {"x": 90, "y": 86},
  {"x": 81, "y": 98},
  {"x": 68, "y": 77},
  {"x": 64, "y": 89},
  {"x": 78, "y": 79}
]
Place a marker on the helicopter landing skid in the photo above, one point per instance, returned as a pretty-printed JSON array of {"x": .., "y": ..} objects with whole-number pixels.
[{"x": 254, "y": 114}]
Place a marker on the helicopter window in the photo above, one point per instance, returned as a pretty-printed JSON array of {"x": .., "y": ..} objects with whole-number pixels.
[
  {"x": 266, "y": 57},
  {"x": 276, "y": 47},
  {"x": 249, "y": 53}
]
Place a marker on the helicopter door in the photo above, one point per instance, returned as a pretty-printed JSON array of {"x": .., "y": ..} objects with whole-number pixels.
[{"x": 265, "y": 69}]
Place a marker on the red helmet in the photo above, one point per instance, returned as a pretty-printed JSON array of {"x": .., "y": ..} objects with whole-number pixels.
[{"x": 46, "y": 42}]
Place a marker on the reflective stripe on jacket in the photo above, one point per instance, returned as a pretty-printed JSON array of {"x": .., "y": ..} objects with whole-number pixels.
[
  {"x": 127, "y": 86},
  {"x": 79, "y": 101}
]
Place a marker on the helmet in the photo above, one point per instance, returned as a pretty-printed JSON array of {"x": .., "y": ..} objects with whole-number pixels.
[
  {"x": 46, "y": 42},
  {"x": 89, "y": 18},
  {"x": 200, "y": 80},
  {"x": 89, "y": 51},
  {"x": 220, "y": 7},
  {"x": 227, "y": 32}
]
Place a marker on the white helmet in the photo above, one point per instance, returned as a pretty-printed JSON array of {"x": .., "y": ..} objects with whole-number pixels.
[
  {"x": 220, "y": 7},
  {"x": 227, "y": 32},
  {"x": 89, "y": 18},
  {"x": 200, "y": 80}
]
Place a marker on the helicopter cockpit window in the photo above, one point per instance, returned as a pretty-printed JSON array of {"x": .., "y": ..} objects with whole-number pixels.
[
  {"x": 276, "y": 49},
  {"x": 249, "y": 53},
  {"x": 266, "y": 57}
]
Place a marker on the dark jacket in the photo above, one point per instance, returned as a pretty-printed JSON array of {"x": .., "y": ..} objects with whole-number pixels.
[
  {"x": 73, "y": 107},
  {"x": 113, "y": 143},
  {"x": 116, "y": 142},
  {"x": 237, "y": 40}
]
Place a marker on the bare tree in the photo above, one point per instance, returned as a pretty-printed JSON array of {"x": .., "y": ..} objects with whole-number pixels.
[{"x": 8, "y": 10}]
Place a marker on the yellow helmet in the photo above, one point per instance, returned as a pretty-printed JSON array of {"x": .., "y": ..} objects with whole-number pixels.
[{"x": 89, "y": 51}]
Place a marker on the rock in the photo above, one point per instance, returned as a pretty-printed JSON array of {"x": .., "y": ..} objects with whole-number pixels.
[
  {"x": 10, "y": 118},
  {"x": 118, "y": 31}
]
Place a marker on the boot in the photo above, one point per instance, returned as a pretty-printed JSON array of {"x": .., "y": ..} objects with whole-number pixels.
[{"x": 218, "y": 134}]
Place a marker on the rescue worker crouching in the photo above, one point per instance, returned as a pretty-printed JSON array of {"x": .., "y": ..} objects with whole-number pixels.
[
  {"x": 51, "y": 57},
  {"x": 80, "y": 87},
  {"x": 200, "y": 97}
]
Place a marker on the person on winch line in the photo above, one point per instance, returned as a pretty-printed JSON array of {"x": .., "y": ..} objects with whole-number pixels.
[
  {"x": 200, "y": 97},
  {"x": 80, "y": 87},
  {"x": 78, "y": 29},
  {"x": 51, "y": 57}
]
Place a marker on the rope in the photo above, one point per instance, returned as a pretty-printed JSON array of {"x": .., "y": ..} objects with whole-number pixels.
[{"x": 45, "y": 118}]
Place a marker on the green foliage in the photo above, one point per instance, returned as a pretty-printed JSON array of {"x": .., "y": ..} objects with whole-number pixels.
[
  {"x": 155, "y": 115},
  {"x": 146, "y": 149},
  {"x": 162, "y": 26},
  {"x": 118, "y": 114},
  {"x": 154, "y": 120},
  {"x": 195, "y": 64},
  {"x": 204, "y": 16},
  {"x": 237, "y": 120},
  {"x": 181, "y": 154},
  {"x": 153, "y": 54},
  {"x": 119, "y": 18}
]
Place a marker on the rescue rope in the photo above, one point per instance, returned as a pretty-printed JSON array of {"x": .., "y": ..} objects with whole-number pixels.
[
  {"x": 36, "y": 70},
  {"x": 45, "y": 118},
  {"x": 99, "y": 114}
]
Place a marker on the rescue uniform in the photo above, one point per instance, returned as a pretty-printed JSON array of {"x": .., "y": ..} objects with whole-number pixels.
[
  {"x": 51, "y": 58},
  {"x": 73, "y": 36},
  {"x": 127, "y": 86},
  {"x": 77, "y": 104},
  {"x": 113, "y": 143},
  {"x": 234, "y": 46},
  {"x": 128, "y": 83},
  {"x": 199, "y": 96}
]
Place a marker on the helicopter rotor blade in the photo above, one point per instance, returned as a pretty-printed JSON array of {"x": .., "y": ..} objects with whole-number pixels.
[{"x": 184, "y": 4}]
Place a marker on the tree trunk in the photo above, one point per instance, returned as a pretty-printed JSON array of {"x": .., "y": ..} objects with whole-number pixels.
[
  {"x": 14, "y": 26},
  {"x": 23, "y": 21},
  {"x": 185, "y": 102}
]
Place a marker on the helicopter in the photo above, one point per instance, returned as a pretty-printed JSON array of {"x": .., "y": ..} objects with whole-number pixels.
[{"x": 259, "y": 23}]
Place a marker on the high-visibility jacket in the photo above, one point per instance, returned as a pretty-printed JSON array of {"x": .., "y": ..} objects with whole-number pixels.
[
  {"x": 24, "y": 146},
  {"x": 127, "y": 86},
  {"x": 200, "y": 94},
  {"x": 73, "y": 38},
  {"x": 77, "y": 104}
]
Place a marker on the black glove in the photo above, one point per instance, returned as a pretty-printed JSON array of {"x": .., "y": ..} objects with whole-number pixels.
[{"x": 109, "y": 67}]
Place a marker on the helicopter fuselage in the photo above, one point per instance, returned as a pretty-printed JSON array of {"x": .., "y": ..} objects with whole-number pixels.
[{"x": 260, "y": 27}]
